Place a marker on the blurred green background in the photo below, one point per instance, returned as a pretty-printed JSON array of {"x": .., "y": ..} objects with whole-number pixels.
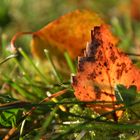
[{"x": 31, "y": 15}]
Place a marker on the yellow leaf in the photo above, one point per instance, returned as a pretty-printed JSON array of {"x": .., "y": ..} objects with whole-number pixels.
[{"x": 69, "y": 33}]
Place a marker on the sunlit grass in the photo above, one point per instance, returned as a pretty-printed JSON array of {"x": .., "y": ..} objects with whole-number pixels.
[
  {"x": 31, "y": 117},
  {"x": 27, "y": 110}
]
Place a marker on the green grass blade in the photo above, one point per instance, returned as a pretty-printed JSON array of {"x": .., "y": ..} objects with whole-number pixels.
[
  {"x": 43, "y": 77},
  {"x": 36, "y": 90},
  {"x": 69, "y": 62},
  {"x": 8, "y": 58},
  {"x": 47, "y": 123},
  {"x": 55, "y": 72}
]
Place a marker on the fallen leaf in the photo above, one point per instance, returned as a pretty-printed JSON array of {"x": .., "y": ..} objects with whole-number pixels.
[
  {"x": 102, "y": 68},
  {"x": 135, "y": 9},
  {"x": 68, "y": 33}
]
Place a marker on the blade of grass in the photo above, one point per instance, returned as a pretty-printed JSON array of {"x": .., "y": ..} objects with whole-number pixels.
[
  {"x": 69, "y": 62},
  {"x": 13, "y": 130},
  {"x": 119, "y": 30},
  {"x": 52, "y": 97},
  {"x": 7, "y": 98},
  {"x": 128, "y": 25},
  {"x": 36, "y": 90},
  {"x": 56, "y": 75},
  {"x": 93, "y": 125},
  {"x": 47, "y": 123},
  {"x": 23, "y": 70},
  {"x": 21, "y": 129},
  {"x": 55, "y": 72},
  {"x": 20, "y": 89},
  {"x": 43, "y": 77},
  {"x": 15, "y": 104},
  {"x": 82, "y": 133},
  {"x": 8, "y": 58}
]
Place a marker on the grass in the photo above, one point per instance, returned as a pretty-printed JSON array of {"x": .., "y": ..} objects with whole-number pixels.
[
  {"x": 27, "y": 112},
  {"x": 33, "y": 105}
]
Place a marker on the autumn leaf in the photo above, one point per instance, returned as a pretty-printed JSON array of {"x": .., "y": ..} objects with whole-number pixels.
[
  {"x": 102, "y": 68},
  {"x": 68, "y": 33},
  {"x": 135, "y": 9}
]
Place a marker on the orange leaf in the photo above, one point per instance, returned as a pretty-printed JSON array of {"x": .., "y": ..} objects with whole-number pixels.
[
  {"x": 68, "y": 33},
  {"x": 101, "y": 68},
  {"x": 135, "y": 9}
]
